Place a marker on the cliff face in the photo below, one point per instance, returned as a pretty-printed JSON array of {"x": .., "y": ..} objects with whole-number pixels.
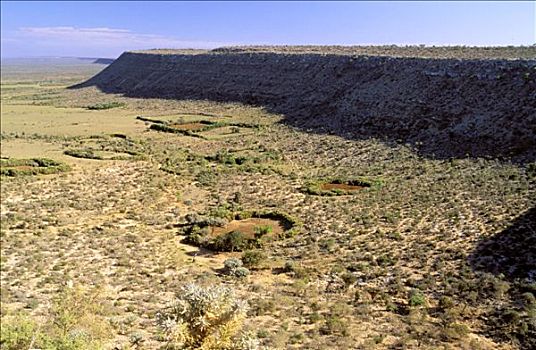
[{"x": 447, "y": 107}]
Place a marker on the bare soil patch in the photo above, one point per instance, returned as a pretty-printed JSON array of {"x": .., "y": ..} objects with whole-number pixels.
[
  {"x": 338, "y": 187},
  {"x": 342, "y": 187},
  {"x": 189, "y": 126},
  {"x": 249, "y": 227},
  {"x": 20, "y": 167}
]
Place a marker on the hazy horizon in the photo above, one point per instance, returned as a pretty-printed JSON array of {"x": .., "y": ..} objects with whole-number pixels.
[{"x": 106, "y": 29}]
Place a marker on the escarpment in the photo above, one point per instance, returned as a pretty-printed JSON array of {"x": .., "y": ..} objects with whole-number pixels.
[{"x": 443, "y": 107}]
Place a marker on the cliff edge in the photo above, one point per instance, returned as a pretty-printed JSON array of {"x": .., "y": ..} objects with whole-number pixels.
[{"x": 445, "y": 107}]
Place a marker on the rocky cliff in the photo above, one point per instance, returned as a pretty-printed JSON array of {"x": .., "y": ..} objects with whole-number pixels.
[{"x": 445, "y": 107}]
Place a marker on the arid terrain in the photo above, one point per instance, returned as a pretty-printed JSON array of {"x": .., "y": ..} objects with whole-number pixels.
[{"x": 356, "y": 234}]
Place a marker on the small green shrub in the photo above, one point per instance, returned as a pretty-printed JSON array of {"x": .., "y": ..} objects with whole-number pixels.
[
  {"x": 206, "y": 178},
  {"x": 262, "y": 230},
  {"x": 296, "y": 270},
  {"x": 455, "y": 331},
  {"x": 529, "y": 301},
  {"x": 416, "y": 298},
  {"x": 335, "y": 324},
  {"x": 253, "y": 258},
  {"x": 226, "y": 157}
]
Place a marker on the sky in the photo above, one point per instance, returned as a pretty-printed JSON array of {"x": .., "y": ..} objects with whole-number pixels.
[{"x": 106, "y": 29}]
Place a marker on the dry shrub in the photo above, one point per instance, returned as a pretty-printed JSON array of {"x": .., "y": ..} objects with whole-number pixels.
[{"x": 206, "y": 318}]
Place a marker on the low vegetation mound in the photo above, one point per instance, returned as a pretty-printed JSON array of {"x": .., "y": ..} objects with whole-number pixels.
[
  {"x": 89, "y": 153},
  {"x": 192, "y": 128},
  {"x": 229, "y": 232},
  {"x": 33, "y": 166},
  {"x": 106, "y": 105},
  {"x": 112, "y": 147},
  {"x": 240, "y": 157}
]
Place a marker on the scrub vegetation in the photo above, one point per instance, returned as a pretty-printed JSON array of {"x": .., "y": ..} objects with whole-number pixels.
[{"x": 261, "y": 236}]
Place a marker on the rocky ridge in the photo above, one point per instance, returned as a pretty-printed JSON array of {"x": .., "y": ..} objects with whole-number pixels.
[{"x": 445, "y": 107}]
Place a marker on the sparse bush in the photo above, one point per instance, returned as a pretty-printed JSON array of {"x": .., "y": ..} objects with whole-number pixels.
[
  {"x": 295, "y": 270},
  {"x": 253, "y": 258},
  {"x": 234, "y": 267},
  {"x": 76, "y": 324},
  {"x": 416, "y": 298},
  {"x": 206, "y": 177},
  {"x": 335, "y": 324},
  {"x": 529, "y": 301},
  {"x": 20, "y": 332},
  {"x": 455, "y": 331},
  {"x": 206, "y": 318},
  {"x": 78, "y": 317}
]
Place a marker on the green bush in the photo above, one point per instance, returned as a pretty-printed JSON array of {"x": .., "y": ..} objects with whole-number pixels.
[
  {"x": 253, "y": 258},
  {"x": 262, "y": 230},
  {"x": 335, "y": 324},
  {"x": 231, "y": 242},
  {"x": 234, "y": 267},
  {"x": 20, "y": 332},
  {"x": 76, "y": 323},
  {"x": 416, "y": 298}
]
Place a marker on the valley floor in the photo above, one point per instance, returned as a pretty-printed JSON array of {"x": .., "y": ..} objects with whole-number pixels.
[{"x": 395, "y": 266}]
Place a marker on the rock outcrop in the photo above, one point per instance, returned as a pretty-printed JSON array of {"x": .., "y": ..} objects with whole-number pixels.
[{"x": 445, "y": 107}]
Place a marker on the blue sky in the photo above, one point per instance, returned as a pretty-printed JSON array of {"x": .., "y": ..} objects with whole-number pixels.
[{"x": 105, "y": 29}]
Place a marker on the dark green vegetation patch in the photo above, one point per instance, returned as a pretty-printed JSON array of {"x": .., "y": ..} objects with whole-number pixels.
[
  {"x": 90, "y": 153},
  {"x": 206, "y": 167},
  {"x": 113, "y": 147},
  {"x": 215, "y": 231},
  {"x": 340, "y": 187},
  {"x": 231, "y": 157},
  {"x": 33, "y": 166},
  {"x": 106, "y": 105},
  {"x": 193, "y": 128}
]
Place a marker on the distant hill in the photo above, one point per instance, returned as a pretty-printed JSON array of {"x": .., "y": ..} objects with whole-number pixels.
[
  {"x": 56, "y": 61},
  {"x": 104, "y": 61}
]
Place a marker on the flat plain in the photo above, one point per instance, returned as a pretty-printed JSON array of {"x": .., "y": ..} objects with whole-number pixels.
[{"x": 401, "y": 262}]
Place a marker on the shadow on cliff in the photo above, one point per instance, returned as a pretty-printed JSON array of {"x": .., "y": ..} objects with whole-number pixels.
[
  {"x": 511, "y": 252},
  {"x": 443, "y": 110}
]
